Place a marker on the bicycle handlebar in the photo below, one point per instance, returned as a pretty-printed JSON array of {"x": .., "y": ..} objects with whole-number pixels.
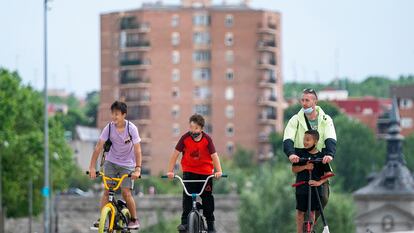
[
  {"x": 117, "y": 180},
  {"x": 310, "y": 159},
  {"x": 304, "y": 182},
  {"x": 194, "y": 181}
]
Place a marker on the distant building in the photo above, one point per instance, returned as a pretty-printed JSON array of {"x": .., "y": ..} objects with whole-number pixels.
[
  {"x": 330, "y": 94},
  {"x": 54, "y": 108},
  {"x": 84, "y": 142},
  {"x": 405, "y": 100},
  {"x": 367, "y": 110},
  {"x": 170, "y": 61},
  {"x": 386, "y": 204}
]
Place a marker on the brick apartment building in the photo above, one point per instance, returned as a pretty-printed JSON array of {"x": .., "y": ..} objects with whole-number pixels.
[{"x": 170, "y": 61}]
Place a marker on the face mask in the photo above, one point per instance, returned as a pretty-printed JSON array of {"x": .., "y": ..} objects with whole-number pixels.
[
  {"x": 308, "y": 110},
  {"x": 194, "y": 135},
  {"x": 310, "y": 148}
]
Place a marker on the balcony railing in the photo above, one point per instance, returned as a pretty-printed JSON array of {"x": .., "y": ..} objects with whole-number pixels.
[
  {"x": 130, "y": 62},
  {"x": 131, "y": 79},
  {"x": 141, "y": 43},
  {"x": 270, "y": 61},
  {"x": 270, "y": 43}
]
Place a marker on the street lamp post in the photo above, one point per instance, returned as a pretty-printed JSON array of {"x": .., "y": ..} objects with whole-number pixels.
[
  {"x": 2, "y": 223},
  {"x": 46, "y": 189}
]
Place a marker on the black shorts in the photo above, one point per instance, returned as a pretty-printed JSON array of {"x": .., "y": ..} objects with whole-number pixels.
[{"x": 302, "y": 202}]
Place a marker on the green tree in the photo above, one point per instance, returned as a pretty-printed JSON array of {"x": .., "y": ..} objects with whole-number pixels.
[
  {"x": 91, "y": 108},
  {"x": 21, "y": 115},
  {"x": 358, "y": 153},
  {"x": 408, "y": 150}
]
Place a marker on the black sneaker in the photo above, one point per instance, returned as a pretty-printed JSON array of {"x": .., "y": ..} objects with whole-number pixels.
[
  {"x": 182, "y": 228},
  {"x": 210, "y": 227}
]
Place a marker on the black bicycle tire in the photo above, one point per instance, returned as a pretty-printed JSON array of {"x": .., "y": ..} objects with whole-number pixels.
[{"x": 193, "y": 222}]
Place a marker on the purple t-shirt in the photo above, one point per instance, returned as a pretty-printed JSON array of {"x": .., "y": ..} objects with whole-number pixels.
[{"x": 121, "y": 153}]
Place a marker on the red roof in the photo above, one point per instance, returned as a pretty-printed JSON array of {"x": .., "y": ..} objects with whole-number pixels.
[{"x": 355, "y": 106}]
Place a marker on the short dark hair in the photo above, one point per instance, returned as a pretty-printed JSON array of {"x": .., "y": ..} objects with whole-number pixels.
[
  {"x": 310, "y": 91},
  {"x": 118, "y": 105},
  {"x": 198, "y": 119},
  {"x": 313, "y": 133}
]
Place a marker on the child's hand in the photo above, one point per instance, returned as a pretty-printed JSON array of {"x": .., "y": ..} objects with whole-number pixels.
[
  {"x": 92, "y": 173},
  {"x": 315, "y": 183},
  {"x": 217, "y": 175},
  {"x": 135, "y": 175},
  {"x": 170, "y": 175},
  {"x": 309, "y": 166}
]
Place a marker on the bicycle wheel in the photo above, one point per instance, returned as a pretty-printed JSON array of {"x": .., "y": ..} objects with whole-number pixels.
[
  {"x": 193, "y": 222},
  {"x": 121, "y": 223},
  {"x": 105, "y": 220}
]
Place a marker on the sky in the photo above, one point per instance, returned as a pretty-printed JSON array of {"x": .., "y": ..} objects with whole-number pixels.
[{"x": 321, "y": 39}]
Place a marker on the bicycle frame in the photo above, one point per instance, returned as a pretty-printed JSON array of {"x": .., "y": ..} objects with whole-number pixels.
[{"x": 112, "y": 202}]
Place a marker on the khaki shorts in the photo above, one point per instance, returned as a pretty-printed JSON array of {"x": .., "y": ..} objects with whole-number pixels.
[{"x": 116, "y": 171}]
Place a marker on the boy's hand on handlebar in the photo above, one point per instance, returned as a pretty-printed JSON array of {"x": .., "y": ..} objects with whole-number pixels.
[
  {"x": 135, "y": 175},
  {"x": 170, "y": 175},
  {"x": 315, "y": 183},
  {"x": 327, "y": 159},
  {"x": 294, "y": 158},
  {"x": 309, "y": 166},
  {"x": 217, "y": 175},
  {"x": 92, "y": 173}
]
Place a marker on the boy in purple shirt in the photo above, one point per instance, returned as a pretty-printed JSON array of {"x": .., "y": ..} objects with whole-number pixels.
[{"x": 123, "y": 157}]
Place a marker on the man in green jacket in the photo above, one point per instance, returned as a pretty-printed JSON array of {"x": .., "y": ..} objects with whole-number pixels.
[{"x": 311, "y": 117}]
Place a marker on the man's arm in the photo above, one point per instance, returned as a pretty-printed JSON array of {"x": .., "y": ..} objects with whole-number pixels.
[
  {"x": 330, "y": 141},
  {"x": 95, "y": 155},
  {"x": 289, "y": 138},
  {"x": 217, "y": 166}
]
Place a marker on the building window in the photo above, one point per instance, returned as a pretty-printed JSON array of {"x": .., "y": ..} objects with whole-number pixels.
[
  {"x": 230, "y": 148},
  {"x": 201, "y": 38},
  {"x": 175, "y": 75},
  {"x": 406, "y": 123},
  {"x": 175, "y": 38},
  {"x": 202, "y": 56},
  {"x": 175, "y": 93},
  {"x": 208, "y": 128},
  {"x": 229, "y": 57},
  {"x": 201, "y": 74},
  {"x": 229, "y": 93},
  {"x": 139, "y": 112},
  {"x": 228, "y": 39},
  {"x": 202, "y": 92},
  {"x": 406, "y": 103},
  {"x": 175, "y": 57},
  {"x": 201, "y": 19},
  {"x": 175, "y": 21},
  {"x": 229, "y": 75},
  {"x": 229, "y": 21},
  {"x": 202, "y": 109},
  {"x": 230, "y": 130},
  {"x": 175, "y": 111},
  {"x": 176, "y": 130},
  {"x": 229, "y": 111}
]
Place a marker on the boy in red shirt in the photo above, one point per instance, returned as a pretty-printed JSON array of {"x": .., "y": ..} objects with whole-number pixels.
[{"x": 198, "y": 162}]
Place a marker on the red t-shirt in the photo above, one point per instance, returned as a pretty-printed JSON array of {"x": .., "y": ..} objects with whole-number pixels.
[{"x": 196, "y": 155}]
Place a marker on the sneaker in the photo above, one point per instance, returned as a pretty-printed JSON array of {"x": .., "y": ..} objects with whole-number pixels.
[
  {"x": 96, "y": 223},
  {"x": 210, "y": 227},
  {"x": 134, "y": 224},
  {"x": 182, "y": 228}
]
